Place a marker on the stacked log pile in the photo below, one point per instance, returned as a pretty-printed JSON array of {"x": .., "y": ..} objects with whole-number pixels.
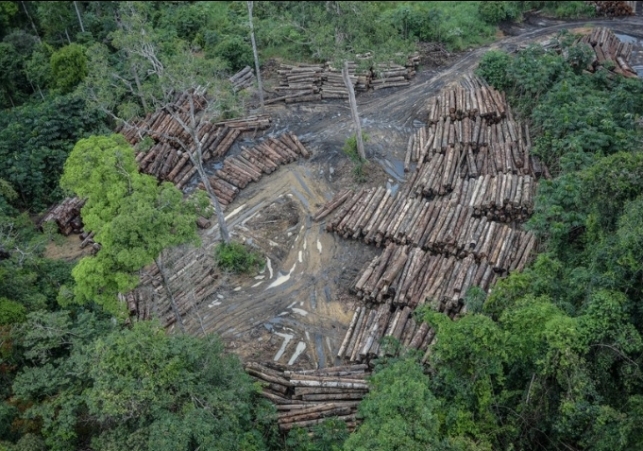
[
  {"x": 309, "y": 397},
  {"x": 301, "y": 83},
  {"x": 373, "y": 329},
  {"x": 168, "y": 158},
  {"x": 333, "y": 86},
  {"x": 191, "y": 277},
  {"x": 250, "y": 165},
  {"x": 441, "y": 226},
  {"x": 66, "y": 215},
  {"x": 475, "y": 99},
  {"x": 614, "y": 9},
  {"x": 452, "y": 226},
  {"x": 408, "y": 276},
  {"x": 242, "y": 79},
  {"x": 391, "y": 75},
  {"x": 609, "y": 49},
  {"x": 310, "y": 82}
]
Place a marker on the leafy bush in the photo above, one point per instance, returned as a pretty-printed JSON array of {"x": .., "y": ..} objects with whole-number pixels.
[
  {"x": 69, "y": 67},
  {"x": 350, "y": 149},
  {"x": 235, "y": 51},
  {"x": 237, "y": 258},
  {"x": 496, "y": 12},
  {"x": 493, "y": 68}
]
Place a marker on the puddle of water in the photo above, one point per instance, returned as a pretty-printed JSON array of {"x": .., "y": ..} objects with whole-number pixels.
[
  {"x": 313, "y": 300},
  {"x": 629, "y": 39},
  {"x": 301, "y": 198},
  {"x": 299, "y": 311},
  {"x": 301, "y": 256},
  {"x": 256, "y": 284},
  {"x": 394, "y": 168},
  {"x": 327, "y": 293},
  {"x": 301, "y": 346},
  {"x": 269, "y": 266},
  {"x": 260, "y": 277},
  {"x": 330, "y": 346},
  {"x": 287, "y": 338},
  {"x": 282, "y": 278},
  {"x": 392, "y": 189}
]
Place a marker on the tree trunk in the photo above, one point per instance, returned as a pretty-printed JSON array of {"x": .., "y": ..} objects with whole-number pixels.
[
  {"x": 353, "y": 104},
  {"x": 33, "y": 25},
  {"x": 197, "y": 160},
  {"x": 139, "y": 88},
  {"x": 170, "y": 295},
  {"x": 254, "y": 51},
  {"x": 80, "y": 20},
  {"x": 223, "y": 227}
]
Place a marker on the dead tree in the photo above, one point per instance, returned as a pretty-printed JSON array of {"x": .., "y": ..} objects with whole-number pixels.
[
  {"x": 353, "y": 104},
  {"x": 254, "y": 51}
]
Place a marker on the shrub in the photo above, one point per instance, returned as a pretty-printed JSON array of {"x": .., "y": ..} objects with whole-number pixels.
[
  {"x": 235, "y": 51},
  {"x": 493, "y": 68},
  {"x": 350, "y": 149},
  {"x": 237, "y": 258},
  {"x": 69, "y": 67},
  {"x": 495, "y": 12}
]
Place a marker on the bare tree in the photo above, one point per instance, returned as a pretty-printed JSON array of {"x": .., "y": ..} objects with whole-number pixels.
[
  {"x": 80, "y": 20},
  {"x": 154, "y": 80},
  {"x": 353, "y": 104},
  {"x": 254, "y": 51}
]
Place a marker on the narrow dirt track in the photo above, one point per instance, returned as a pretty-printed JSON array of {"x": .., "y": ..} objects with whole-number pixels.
[{"x": 296, "y": 311}]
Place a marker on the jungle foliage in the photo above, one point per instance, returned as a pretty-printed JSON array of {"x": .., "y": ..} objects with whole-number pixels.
[{"x": 550, "y": 360}]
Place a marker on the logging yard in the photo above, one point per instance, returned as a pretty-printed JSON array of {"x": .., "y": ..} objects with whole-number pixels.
[{"x": 449, "y": 183}]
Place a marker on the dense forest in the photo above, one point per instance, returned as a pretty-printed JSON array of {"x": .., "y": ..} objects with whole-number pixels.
[{"x": 549, "y": 360}]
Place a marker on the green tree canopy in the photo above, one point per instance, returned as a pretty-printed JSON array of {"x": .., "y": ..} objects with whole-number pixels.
[{"x": 133, "y": 217}]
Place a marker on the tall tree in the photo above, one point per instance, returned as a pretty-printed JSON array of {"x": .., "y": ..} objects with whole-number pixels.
[
  {"x": 254, "y": 52},
  {"x": 132, "y": 216},
  {"x": 150, "y": 80},
  {"x": 353, "y": 104}
]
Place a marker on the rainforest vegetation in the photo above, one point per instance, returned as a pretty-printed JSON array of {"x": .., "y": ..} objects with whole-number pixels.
[{"x": 550, "y": 360}]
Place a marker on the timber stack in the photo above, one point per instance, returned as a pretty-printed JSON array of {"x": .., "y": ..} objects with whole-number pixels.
[
  {"x": 192, "y": 276},
  {"x": 251, "y": 164},
  {"x": 452, "y": 226},
  {"x": 309, "y": 397},
  {"x": 611, "y": 50},
  {"x": 311, "y": 82},
  {"x": 243, "y": 79},
  {"x": 300, "y": 83},
  {"x": 169, "y": 157},
  {"x": 614, "y": 9},
  {"x": 66, "y": 215}
]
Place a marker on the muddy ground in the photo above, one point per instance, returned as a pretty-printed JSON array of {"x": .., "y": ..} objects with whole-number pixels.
[{"x": 296, "y": 310}]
